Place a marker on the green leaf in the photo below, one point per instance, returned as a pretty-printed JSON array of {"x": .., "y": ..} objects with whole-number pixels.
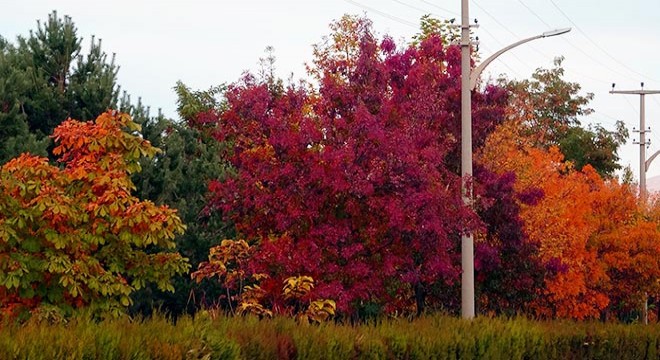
[{"x": 31, "y": 245}]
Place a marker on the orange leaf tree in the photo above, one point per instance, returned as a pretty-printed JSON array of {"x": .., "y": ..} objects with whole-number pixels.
[
  {"x": 628, "y": 239},
  {"x": 593, "y": 238},
  {"x": 558, "y": 222},
  {"x": 74, "y": 236}
]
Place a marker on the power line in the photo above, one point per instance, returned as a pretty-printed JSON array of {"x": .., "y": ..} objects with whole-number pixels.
[
  {"x": 579, "y": 73},
  {"x": 656, "y": 100},
  {"x": 655, "y": 134},
  {"x": 655, "y": 143},
  {"x": 441, "y": 8},
  {"x": 495, "y": 19},
  {"x": 535, "y": 14},
  {"x": 631, "y": 104},
  {"x": 534, "y": 48},
  {"x": 406, "y": 22},
  {"x": 415, "y": 8},
  {"x": 596, "y": 44},
  {"x": 499, "y": 43},
  {"x": 585, "y": 53},
  {"x": 570, "y": 43},
  {"x": 612, "y": 120},
  {"x": 508, "y": 30},
  {"x": 500, "y": 61},
  {"x": 383, "y": 14}
]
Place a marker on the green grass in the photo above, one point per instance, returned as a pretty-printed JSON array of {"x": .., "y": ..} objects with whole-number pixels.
[{"x": 434, "y": 337}]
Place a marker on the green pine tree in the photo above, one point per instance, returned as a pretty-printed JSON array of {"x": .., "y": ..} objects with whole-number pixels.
[
  {"x": 178, "y": 177},
  {"x": 15, "y": 136},
  {"x": 46, "y": 79}
]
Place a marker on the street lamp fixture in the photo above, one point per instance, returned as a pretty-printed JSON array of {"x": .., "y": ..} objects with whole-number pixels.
[
  {"x": 474, "y": 76},
  {"x": 556, "y": 32}
]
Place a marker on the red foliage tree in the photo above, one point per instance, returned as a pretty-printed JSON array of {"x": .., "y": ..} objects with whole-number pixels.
[{"x": 355, "y": 185}]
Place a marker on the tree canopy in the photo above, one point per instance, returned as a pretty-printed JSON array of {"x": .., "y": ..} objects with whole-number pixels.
[{"x": 75, "y": 236}]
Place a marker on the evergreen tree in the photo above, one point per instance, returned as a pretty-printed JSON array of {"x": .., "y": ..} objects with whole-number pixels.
[
  {"x": 46, "y": 79},
  {"x": 15, "y": 136},
  {"x": 178, "y": 177}
]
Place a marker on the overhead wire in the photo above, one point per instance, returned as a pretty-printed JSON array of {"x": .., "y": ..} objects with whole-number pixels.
[
  {"x": 655, "y": 99},
  {"x": 610, "y": 119},
  {"x": 655, "y": 133},
  {"x": 486, "y": 31},
  {"x": 534, "y": 48},
  {"x": 413, "y": 7},
  {"x": 488, "y": 14},
  {"x": 500, "y": 61},
  {"x": 534, "y": 13},
  {"x": 596, "y": 44},
  {"x": 656, "y": 143},
  {"x": 382, "y": 13},
  {"x": 440, "y": 7},
  {"x": 632, "y": 106},
  {"x": 531, "y": 11},
  {"x": 507, "y": 29},
  {"x": 409, "y": 23}
]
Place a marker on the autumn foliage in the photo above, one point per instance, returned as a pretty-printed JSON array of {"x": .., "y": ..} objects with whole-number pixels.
[
  {"x": 356, "y": 184},
  {"x": 339, "y": 198},
  {"x": 74, "y": 236},
  {"x": 594, "y": 239}
]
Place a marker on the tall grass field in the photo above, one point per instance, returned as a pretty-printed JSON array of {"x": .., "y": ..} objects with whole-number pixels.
[{"x": 433, "y": 337}]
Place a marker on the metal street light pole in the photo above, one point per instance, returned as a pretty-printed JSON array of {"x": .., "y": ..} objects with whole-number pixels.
[
  {"x": 467, "y": 241},
  {"x": 468, "y": 83}
]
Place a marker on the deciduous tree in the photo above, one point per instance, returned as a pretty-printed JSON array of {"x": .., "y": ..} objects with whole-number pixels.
[
  {"x": 548, "y": 108},
  {"x": 355, "y": 185},
  {"x": 76, "y": 236}
]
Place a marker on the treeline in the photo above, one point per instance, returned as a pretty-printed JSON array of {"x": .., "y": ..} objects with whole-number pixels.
[{"x": 339, "y": 197}]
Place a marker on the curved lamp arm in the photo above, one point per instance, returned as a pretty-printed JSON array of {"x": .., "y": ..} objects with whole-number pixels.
[
  {"x": 647, "y": 163},
  {"x": 474, "y": 75}
]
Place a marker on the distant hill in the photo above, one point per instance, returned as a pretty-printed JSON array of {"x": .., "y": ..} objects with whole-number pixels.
[{"x": 653, "y": 184}]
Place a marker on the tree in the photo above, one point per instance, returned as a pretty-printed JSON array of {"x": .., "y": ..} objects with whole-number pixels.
[
  {"x": 355, "y": 185},
  {"x": 14, "y": 129},
  {"x": 595, "y": 146},
  {"x": 509, "y": 270},
  {"x": 583, "y": 225},
  {"x": 548, "y": 107},
  {"x": 628, "y": 239},
  {"x": 559, "y": 223},
  {"x": 46, "y": 79},
  {"x": 178, "y": 176},
  {"x": 76, "y": 237}
]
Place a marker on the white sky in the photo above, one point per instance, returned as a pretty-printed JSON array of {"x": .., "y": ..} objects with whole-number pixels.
[{"x": 206, "y": 43}]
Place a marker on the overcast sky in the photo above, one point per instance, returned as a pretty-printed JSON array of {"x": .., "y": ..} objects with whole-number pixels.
[{"x": 206, "y": 43}]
